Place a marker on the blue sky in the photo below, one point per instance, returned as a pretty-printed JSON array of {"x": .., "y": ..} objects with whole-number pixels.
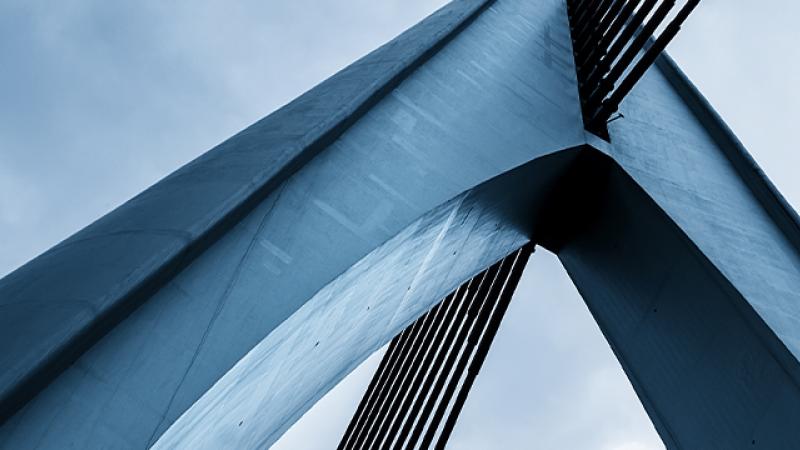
[{"x": 101, "y": 99}]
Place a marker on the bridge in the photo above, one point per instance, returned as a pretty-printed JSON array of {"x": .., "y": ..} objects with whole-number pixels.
[{"x": 216, "y": 307}]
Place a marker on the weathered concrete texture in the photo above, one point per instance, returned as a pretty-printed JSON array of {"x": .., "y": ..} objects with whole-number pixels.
[
  {"x": 273, "y": 385},
  {"x": 397, "y": 185}
]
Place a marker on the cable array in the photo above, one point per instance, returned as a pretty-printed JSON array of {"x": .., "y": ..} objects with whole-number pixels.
[
  {"x": 423, "y": 380},
  {"x": 614, "y": 44}
]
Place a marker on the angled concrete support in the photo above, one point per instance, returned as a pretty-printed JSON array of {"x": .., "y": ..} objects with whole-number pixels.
[{"x": 709, "y": 370}]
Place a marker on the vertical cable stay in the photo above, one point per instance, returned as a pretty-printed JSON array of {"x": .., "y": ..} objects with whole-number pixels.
[
  {"x": 422, "y": 382},
  {"x": 614, "y": 43},
  {"x": 447, "y": 358},
  {"x": 426, "y": 366}
]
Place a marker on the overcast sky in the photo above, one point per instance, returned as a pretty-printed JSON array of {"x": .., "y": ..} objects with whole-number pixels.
[{"x": 99, "y": 99}]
